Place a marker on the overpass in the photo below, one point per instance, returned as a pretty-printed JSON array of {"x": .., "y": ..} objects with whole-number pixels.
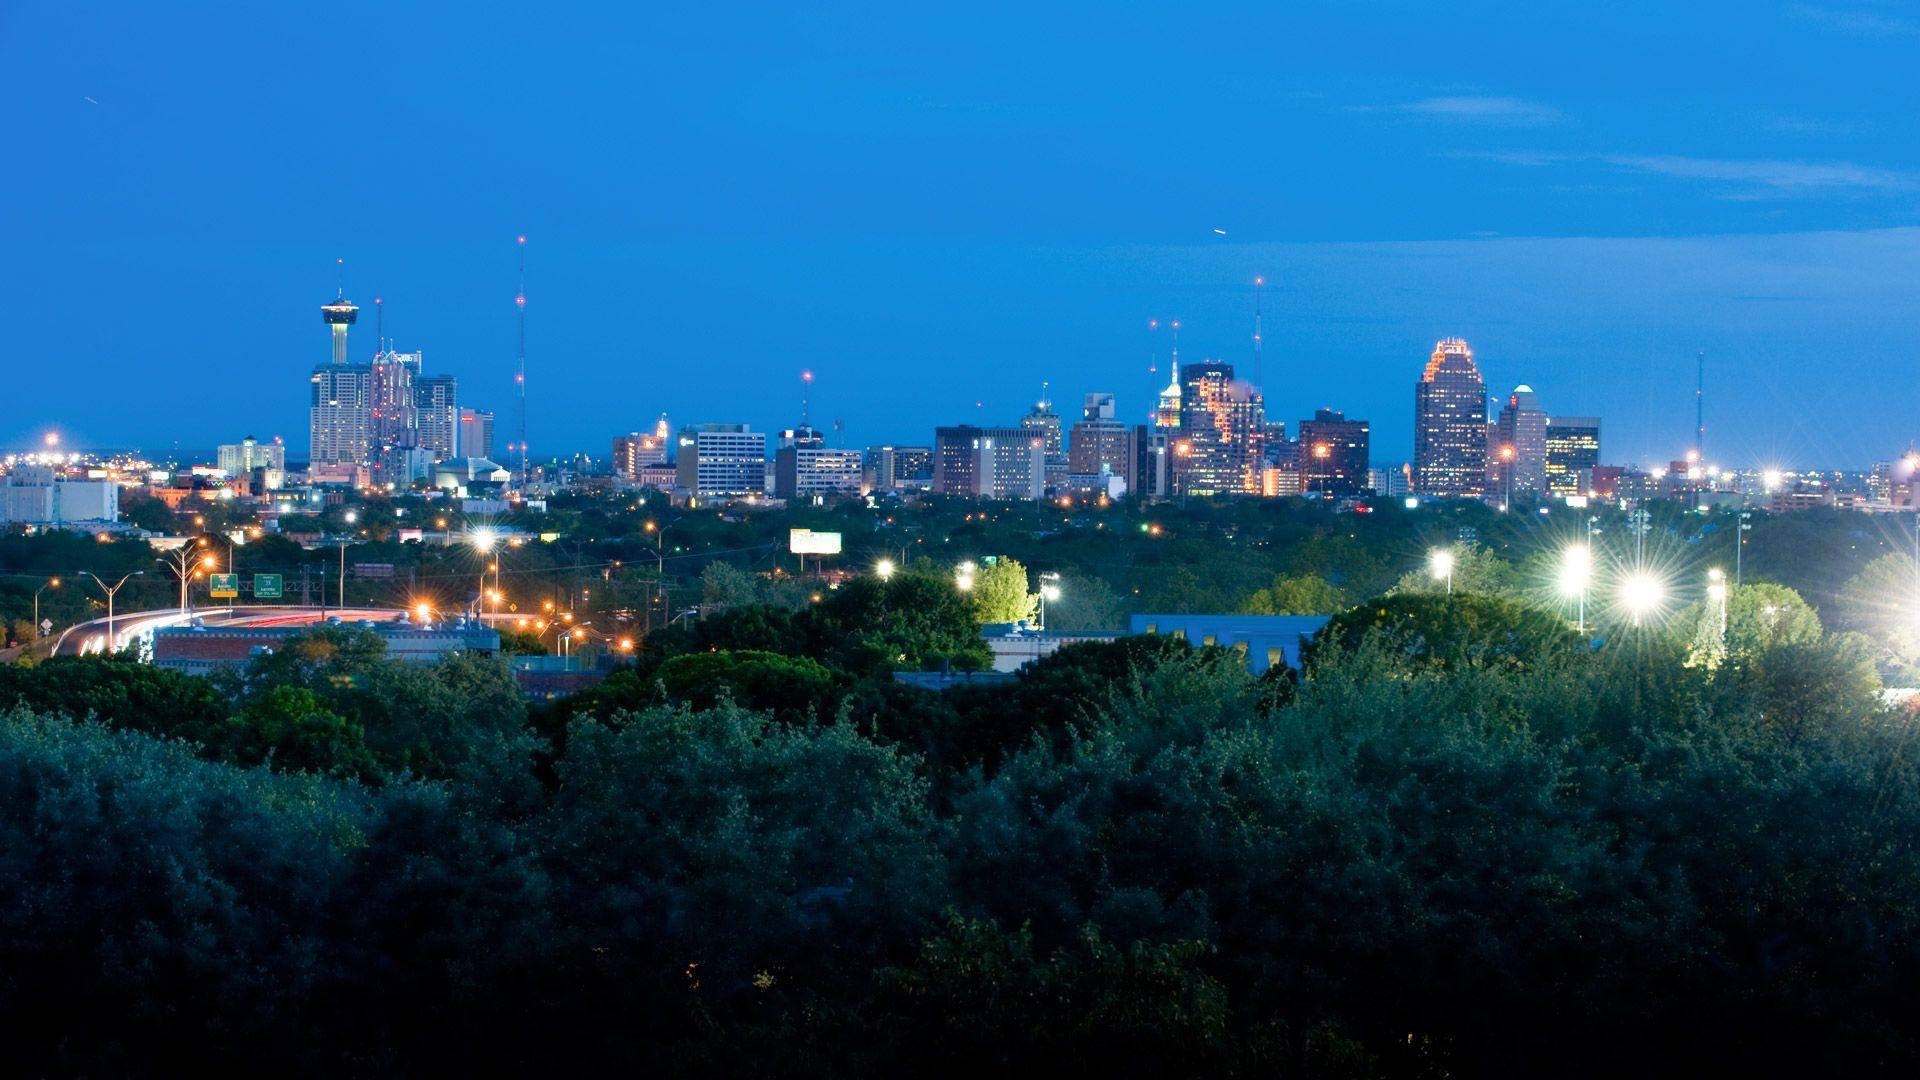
[{"x": 90, "y": 638}]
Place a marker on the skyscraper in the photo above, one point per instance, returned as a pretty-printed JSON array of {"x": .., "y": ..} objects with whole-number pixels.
[
  {"x": 1517, "y": 459},
  {"x": 1450, "y": 424},
  {"x": 1334, "y": 453},
  {"x": 1219, "y": 449},
  {"x": 476, "y": 434},
  {"x": 722, "y": 460},
  {"x": 437, "y": 415},
  {"x": 1100, "y": 443},
  {"x": 1573, "y": 452},
  {"x": 993, "y": 463}
]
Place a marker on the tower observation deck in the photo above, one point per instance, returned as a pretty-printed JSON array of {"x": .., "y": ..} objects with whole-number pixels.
[{"x": 339, "y": 315}]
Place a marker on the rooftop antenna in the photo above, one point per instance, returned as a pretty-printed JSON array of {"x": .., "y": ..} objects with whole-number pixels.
[
  {"x": 379, "y": 327},
  {"x": 340, "y": 276},
  {"x": 1259, "y": 368},
  {"x": 520, "y": 379},
  {"x": 806, "y": 392},
  {"x": 1044, "y": 403},
  {"x": 1175, "y": 362},
  {"x": 1700, "y": 407},
  {"x": 1153, "y": 356},
  {"x": 839, "y": 434}
]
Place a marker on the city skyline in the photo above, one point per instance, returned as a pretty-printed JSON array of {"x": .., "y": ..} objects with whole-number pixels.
[{"x": 841, "y": 198}]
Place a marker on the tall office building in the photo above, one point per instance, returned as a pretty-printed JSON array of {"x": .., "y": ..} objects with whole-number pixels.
[
  {"x": 722, "y": 460},
  {"x": 633, "y": 452},
  {"x": 1517, "y": 454},
  {"x": 1450, "y": 425},
  {"x": 1100, "y": 444},
  {"x": 993, "y": 463},
  {"x": 899, "y": 468},
  {"x": 1573, "y": 452},
  {"x": 1043, "y": 421},
  {"x": 437, "y": 415},
  {"x": 475, "y": 439},
  {"x": 1334, "y": 454},
  {"x": 1166, "y": 409},
  {"x": 1220, "y": 446},
  {"x": 392, "y": 388}
]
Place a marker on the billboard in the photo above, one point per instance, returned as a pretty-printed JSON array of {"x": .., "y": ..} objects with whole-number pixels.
[{"x": 808, "y": 542}]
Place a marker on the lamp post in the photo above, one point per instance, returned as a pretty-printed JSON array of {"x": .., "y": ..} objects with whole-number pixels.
[
  {"x": 1642, "y": 593},
  {"x": 1049, "y": 590},
  {"x": 53, "y": 583},
  {"x": 1740, "y": 543},
  {"x": 110, "y": 594},
  {"x": 884, "y": 568},
  {"x": 1717, "y": 596},
  {"x": 1576, "y": 570},
  {"x": 185, "y": 563},
  {"x": 1440, "y": 562},
  {"x": 1506, "y": 466},
  {"x": 963, "y": 576}
]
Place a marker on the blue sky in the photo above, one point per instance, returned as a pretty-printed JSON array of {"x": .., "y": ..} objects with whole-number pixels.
[{"x": 936, "y": 207}]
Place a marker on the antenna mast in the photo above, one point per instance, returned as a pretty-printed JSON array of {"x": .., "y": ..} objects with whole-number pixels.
[
  {"x": 1700, "y": 407},
  {"x": 520, "y": 302},
  {"x": 1259, "y": 368}
]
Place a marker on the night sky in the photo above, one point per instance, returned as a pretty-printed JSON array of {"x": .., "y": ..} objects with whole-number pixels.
[{"x": 931, "y": 206}]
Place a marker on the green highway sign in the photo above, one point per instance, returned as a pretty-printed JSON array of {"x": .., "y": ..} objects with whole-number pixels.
[
  {"x": 266, "y": 586},
  {"x": 222, "y": 586}
]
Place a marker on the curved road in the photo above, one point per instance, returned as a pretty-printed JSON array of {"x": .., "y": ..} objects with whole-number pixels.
[{"x": 91, "y": 637}]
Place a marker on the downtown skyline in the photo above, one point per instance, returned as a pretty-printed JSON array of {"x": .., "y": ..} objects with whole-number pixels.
[{"x": 925, "y": 234}]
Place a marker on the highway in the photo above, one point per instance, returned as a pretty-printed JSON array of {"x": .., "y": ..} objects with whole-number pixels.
[{"x": 90, "y": 638}]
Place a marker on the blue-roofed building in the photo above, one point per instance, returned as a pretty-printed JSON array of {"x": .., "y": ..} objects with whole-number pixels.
[{"x": 1264, "y": 639}]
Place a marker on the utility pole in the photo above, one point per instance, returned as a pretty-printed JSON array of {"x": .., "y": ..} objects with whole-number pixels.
[{"x": 1740, "y": 543}]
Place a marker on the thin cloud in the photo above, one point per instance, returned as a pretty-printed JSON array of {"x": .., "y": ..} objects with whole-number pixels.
[
  {"x": 1783, "y": 177},
  {"x": 1858, "y": 21},
  {"x": 1496, "y": 111}
]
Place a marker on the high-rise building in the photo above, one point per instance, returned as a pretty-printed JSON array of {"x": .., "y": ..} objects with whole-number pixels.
[
  {"x": 1044, "y": 422},
  {"x": 994, "y": 463},
  {"x": 1219, "y": 449},
  {"x": 437, "y": 416},
  {"x": 815, "y": 471},
  {"x": 722, "y": 460},
  {"x": 1450, "y": 424},
  {"x": 1517, "y": 454},
  {"x": 1166, "y": 411},
  {"x": 476, "y": 434},
  {"x": 340, "y": 414},
  {"x": 899, "y": 468},
  {"x": 241, "y": 458},
  {"x": 392, "y": 389},
  {"x": 1573, "y": 452},
  {"x": 1100, "y": 444},
  {"x": 633, "y": 452},
  {"x": 1334, "y": 454}
]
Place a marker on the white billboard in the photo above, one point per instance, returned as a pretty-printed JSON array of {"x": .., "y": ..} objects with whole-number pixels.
[{"x": 808, "y": 542}]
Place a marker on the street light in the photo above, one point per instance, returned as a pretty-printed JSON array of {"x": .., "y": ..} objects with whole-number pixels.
[
  {"x": 1049, "y": 590},
  {"x": 1717, "y": 595},
  {"x": 51, "y": 584},
  {"x": 963, "y": 576},
  {"x": 110, "y": 594},
  {"x": 884, "y": 568},
  {"x": 1642, "y": 593},
  {"x": 1440, "y": 562},
  {"x": 186, "y": 566},
  {"x": 1576, "y": 570}
]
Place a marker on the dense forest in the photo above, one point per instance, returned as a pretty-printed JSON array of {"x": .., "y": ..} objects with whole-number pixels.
[{"x": 1463, "y": 840}]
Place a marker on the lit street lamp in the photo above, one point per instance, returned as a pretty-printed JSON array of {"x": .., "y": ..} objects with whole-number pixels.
[
  {"x": 1642, "y": 593},
  {"x": 1576, "y": 570},
  {"x": 963, "y": 577},
  {"x": 1440, "y": 562},
  {"x": 884, "y": 568},
  {"x": 51, "y": 584},
  {"x": 1717, "y": 596},
  {"x": 110, "y": 594},
  {"x": 1049, "y": 590}
]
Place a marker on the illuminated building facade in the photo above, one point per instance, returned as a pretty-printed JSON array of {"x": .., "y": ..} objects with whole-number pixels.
[
  {"x": 1220, "y": 446},
  {"x": 1573, "y": 452},
  {"x": 1517, "y": 456},
  {"x": 1101, "y": 444},
  {"x": 1450, "y": 425},
  {"x": 1334, "y": 453}
]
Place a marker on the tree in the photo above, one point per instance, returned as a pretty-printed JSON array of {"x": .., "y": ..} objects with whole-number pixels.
[
  {"x": 792, "y": 688},
  {"x": 1463, "y": 630},
  {"x": 1476, "y": 569},
  {"x": 999, "y": 592},
  {"x": 1086, "y": 602},
  {"x": 1763, "y": 616},
  {"x": 291, "y": 727},
  {"x": 1884, "y": 600},
  {"x": 1303, "y": 594}
]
